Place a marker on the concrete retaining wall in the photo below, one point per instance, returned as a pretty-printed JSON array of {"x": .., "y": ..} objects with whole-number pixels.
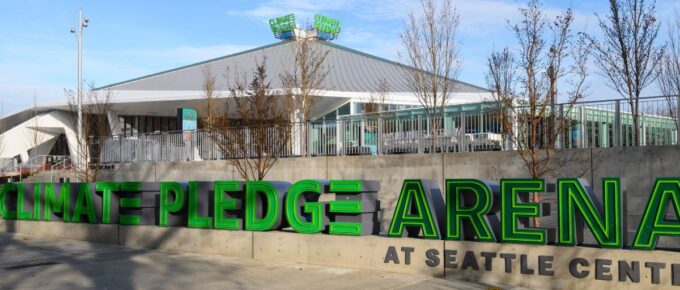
[
  {"x": 370, "y": 252},
  {"x": 637, "y": 167}
]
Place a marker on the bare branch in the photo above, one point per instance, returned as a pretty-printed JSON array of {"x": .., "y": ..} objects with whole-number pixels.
[
  {"x": 255, "y": 138},
  {"x": 306, "y": 80},
  {"x": 431, "y": 49},
  {"x": 668, "y": 71},
  {"x": 378, "y": 98},
  {"x": 96, "y": 129},
  {"x": 526, "y": 87},
  {"x": 627, "y": 54}
]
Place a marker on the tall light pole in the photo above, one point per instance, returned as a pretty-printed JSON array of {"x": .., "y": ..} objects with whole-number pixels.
[{"x": 82, "y": 23}]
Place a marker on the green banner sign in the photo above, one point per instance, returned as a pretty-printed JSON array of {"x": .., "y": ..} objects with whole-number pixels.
[
  {"x": 327, "y": 24},
  {"x": 282, "y": 24}
]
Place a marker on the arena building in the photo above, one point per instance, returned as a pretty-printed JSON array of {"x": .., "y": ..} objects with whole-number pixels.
[
  {"x": 149, "y": 104},
  {"x": 143, "y": 122}
]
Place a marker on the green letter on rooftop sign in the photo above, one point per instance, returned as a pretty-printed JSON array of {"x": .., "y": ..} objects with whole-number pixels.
[{"x": 282, "y": 24}]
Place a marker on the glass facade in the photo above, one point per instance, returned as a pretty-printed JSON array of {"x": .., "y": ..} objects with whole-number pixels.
[
  {"x": 357, "y": 108},
  {"x": 132, "y": 125}
]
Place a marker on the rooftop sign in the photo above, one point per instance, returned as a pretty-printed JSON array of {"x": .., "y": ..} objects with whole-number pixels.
[
  {"x": 283, "y": 26},
  {"x": 326, "y": 27}
]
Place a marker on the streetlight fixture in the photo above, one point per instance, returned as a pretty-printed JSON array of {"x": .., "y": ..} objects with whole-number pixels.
[{"x": 82, "y": 23}]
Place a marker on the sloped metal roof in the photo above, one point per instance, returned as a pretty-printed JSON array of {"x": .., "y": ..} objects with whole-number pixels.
[{"x": 350, "y": 71}]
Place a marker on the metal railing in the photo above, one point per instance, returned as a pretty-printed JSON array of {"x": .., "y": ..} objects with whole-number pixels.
[
  {"x": 8, "y": 164},
  {"x": 59, "y": 168},
  {"x": 584, "y": 125},
  {"x": 37, "y": 164}
]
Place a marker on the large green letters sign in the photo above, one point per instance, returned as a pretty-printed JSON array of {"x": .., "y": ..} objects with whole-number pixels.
[{"x": 469, "y": 209}]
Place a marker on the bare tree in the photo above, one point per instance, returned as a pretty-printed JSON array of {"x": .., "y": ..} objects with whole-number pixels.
[
  {"x": 501, "y": 79},
  {"x": 431, "y": 49},
  {"x": 259, "y": 133},
  {"x": 378, "y": 98},
  {"x": 668, "y": 71},
  {"x": 526, "y": 86},
  {"x": 627, "y": 54},
  {"x": 305, "y": 82},
  {"x": 210, "y": 107},
  {"x": 306, "y": 79},
  {"x": 95, "y": 130}
]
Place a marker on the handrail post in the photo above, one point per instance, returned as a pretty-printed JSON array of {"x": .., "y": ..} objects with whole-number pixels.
[
  {"x": 339, "y": 134},
  {"x": 677, "y": 121},
  {"x": 584, "y": 127},
  {"x": 643, "y": 130},
  {"x": 617, "y": 124},
  {"x": 379, "y": 136},
  {"x": 191, "y": 146},
  {"x": 162, "y": 139},
  {"x": 419, "y": 133},
  {"x": 560, "y": 136},
  {"x": 461, "y": 132},
  {"x": 120, "y": 149},
  {"x": 362, "y": 133},
  {"x": 309, "y": 138}
]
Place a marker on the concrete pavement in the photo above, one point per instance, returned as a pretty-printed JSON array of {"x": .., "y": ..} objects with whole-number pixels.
[{"x": 28, "y": 263}]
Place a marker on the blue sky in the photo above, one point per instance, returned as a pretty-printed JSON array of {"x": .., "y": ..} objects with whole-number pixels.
[{"x": 129, "y": 38}]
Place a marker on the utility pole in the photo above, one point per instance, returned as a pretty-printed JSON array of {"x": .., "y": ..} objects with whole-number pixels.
[{"x": 82, "y": 23}]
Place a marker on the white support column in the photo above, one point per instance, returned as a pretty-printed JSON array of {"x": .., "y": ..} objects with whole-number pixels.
[{"x": 114, "y": 122}]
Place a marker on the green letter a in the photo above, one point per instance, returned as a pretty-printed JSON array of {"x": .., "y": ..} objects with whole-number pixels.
[
  {"x": 415, "y": 210},
  {"x": 654, "y": 224}
]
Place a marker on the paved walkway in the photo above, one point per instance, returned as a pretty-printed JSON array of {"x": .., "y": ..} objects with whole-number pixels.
[{"x": 27, "y": 263}]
